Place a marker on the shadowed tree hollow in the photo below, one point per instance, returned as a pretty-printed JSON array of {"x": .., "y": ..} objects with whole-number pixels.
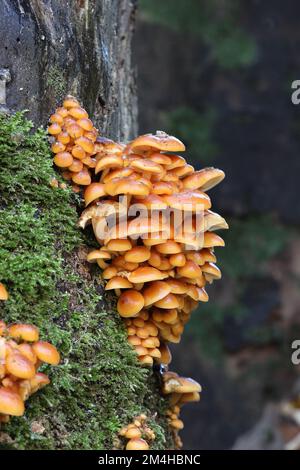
[{"x": 50, "y": 49}]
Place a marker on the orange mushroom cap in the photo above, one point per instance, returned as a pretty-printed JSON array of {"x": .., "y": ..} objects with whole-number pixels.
[
  {"x": 3, "y": 292},
  {"x": 204, "y": 179},
  {"x": 188, "y": 200},
  {"x": 170, "y": 301},
  {"x": 146, "y": 274},
  {"x": 118, "y": 282},
  {"x": 155, "y": 291},
  {"x": 63, "y": 159},
  {"x": 160, "y": 141},
  {"x": 130, "y": 303},
  {"x": 189, "y": 270},
  {"x": 137, "y": 254},
  {"x": 93, "y": 192},
  {"x": 137, "y": 444},
  {"x": 46, "y": 352},
  {"x": 11, "y": 403},
  {"x": 19, "y": 366},
  {"x": 24, "y": 331}
]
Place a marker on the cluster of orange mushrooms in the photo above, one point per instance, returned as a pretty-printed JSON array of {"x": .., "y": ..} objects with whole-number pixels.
[
  {"x": 152, "y": 218},
  {"x": 138, "y": 434},
  {"x": 21, "y": 354},
  {"x": 179, "y": 390}
]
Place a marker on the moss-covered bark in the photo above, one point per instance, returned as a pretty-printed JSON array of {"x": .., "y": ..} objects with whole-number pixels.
[{"x": 99, "y": 385}]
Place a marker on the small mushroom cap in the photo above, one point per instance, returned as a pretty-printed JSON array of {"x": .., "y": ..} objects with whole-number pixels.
[
  {"x": 3, "y": 292},
  {"x": 92, "y": 192},
  {"x": 137, "y": 254},
  {"x": 177, "y": 161},
  {"x": 133, "y": 433},
  {"x": 212, "y": 270},
  {"x": 189, "y": 397},
  {"x": 94, "y": 255},
  {"x": 135, "y": 228},
  {"x": 188, "y": 200},
  {"x": 163, "y": 187},
  {"x": 165, "y": 354},
  {"x": 177, "y": 424},
  {"x": 177, "y": 260},
  {"x": 145, "y": 165},
  {"x": 208, "y": 255},
  {"x": 160, "y": 158},
  {"x": 46, "y": 352},
  {"x": 152, "y": 202},
  {"x": 86, "y": 144},
  {"x": 182, "y": 171},
  {"x": 159, "y": 141},
  {"x": 169, "y": 248},
  {"x": 118, "y": 282},
  {"x": 101, "y": 209},
  {"x": 118, "y": 186},
  {"x": 24, "y": 331},
  {"x": 19, "y": 366},
  {"x": 119, "y": 244},
  {"x": 189, "y": 270},
  {"x": 11, "y": 403},
  {"x": 83, "y": 177},
  {"x": 213, "y": 221},
  {"x": 70, "y": 102},
  {"x": 130, "y": 303},
  {"x": 204, "y": 179},
  {"x": 39, "y": 381},
  {"x": 63, "y": 159},
  {"x": 155, "y": 291},
  {"x": 137, "y": 444},
  {"x": 197, "y": 293},
  {"x": 177, "y": 286},
  {"x": 110, "y": 161},
  {"x": 117, "y": 173},
  {"x": 109, "y": 272},
  {"x": 146, "y": 274},
  {"x": 212, "y": 239},
  {"x": 180, "y": 385},
  {"x": 170, "y": 301}
]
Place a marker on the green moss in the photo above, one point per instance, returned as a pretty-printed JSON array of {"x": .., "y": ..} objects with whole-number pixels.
[
  {"x": 56, "y": 81},
  {"x": 99, "y": 386}
]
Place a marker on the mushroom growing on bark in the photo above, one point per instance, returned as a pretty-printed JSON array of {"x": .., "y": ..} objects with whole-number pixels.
[
  {"x": 21, "y": 354},
  {"x": 159, "y": 261}
]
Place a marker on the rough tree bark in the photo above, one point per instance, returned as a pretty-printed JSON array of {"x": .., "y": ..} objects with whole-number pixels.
[
  {"x": 81, "y": 47},
  {"x": 50, "y": 48}
]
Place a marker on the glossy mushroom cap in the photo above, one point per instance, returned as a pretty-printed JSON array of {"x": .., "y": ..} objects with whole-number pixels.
[
  {"x": 11, "y": 403},
  {"x": 24, "y": 331},
  {"x": 159, "y": 141},
  {"x": 146, "y": 274},
  {"x": 46, "y": 352},
  {"x": 130, "y": 303},
  {"x": 155, "y": 291},
  {"x": 137, "y": 444},
  {"x": 3, "y": 292}
]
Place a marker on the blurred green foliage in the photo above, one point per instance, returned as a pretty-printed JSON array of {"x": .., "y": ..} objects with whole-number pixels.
[
  {"x": 250, "y": 244},
  {"x": 215, "y": 22},
  {"x": 195, "y": 129}
]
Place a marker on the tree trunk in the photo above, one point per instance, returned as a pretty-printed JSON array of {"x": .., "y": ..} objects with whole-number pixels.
[
  {"x": 49, "y": 49},
  {"x": 81, "y": 47}
]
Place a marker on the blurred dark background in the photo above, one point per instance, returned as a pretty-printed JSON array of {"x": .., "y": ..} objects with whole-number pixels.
[{"x": 218, "y": 75}]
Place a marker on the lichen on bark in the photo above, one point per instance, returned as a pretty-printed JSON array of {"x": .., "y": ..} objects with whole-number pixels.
[{"x": 99, "y": 386}]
